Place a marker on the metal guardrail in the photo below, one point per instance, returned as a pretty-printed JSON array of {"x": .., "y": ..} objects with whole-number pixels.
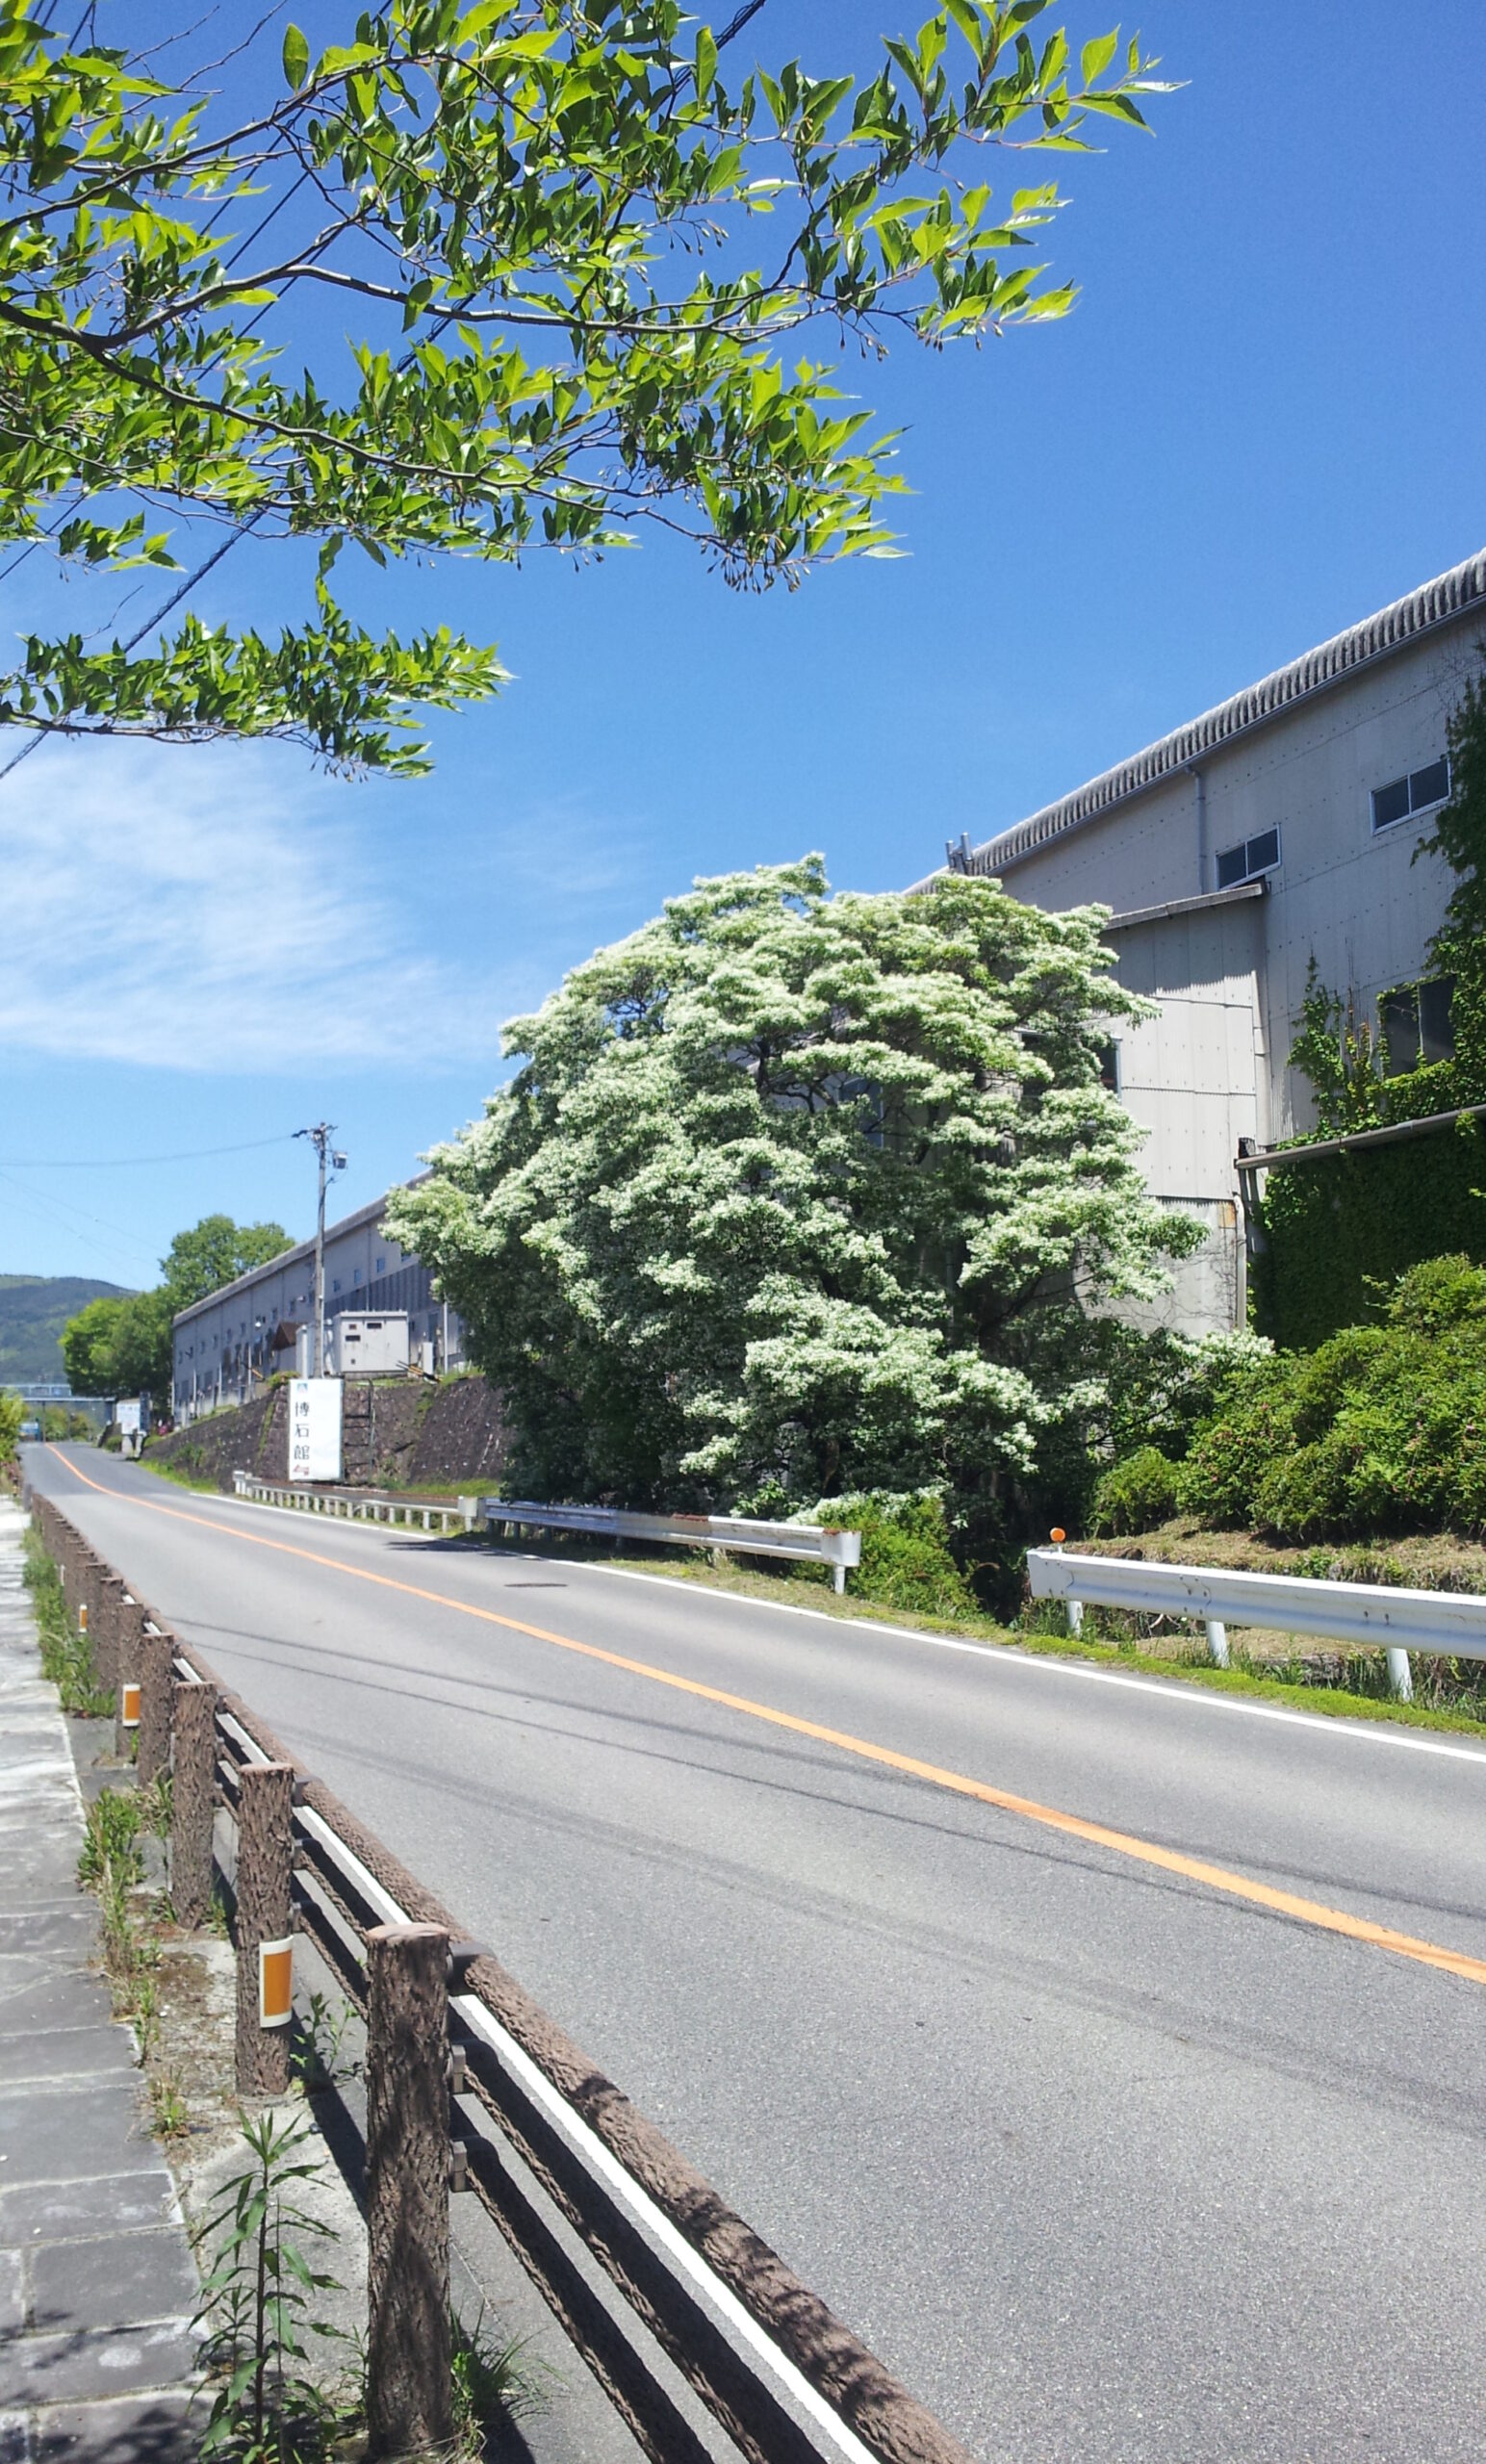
[
  {"x": 357, "y": 1506},
  {"x": 583, "y": 2187},
  {"x": 1450, "y": 1623},
  {"x": 812, "y": 1544}
]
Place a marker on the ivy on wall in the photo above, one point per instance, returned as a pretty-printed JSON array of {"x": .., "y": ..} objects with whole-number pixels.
[
  {"x": 1331, "y": 1231},
  {"x": 1334, "y": 1230}
]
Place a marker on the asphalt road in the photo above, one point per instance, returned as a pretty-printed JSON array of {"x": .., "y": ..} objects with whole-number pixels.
[{"x": 1107, "y": 2163}]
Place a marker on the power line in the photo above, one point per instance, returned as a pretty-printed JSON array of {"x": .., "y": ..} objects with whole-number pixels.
[{"x": 123, "y": 1162}]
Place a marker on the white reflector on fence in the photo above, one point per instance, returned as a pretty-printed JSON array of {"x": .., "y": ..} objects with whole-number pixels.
[{"x": 277, "y": 1983}]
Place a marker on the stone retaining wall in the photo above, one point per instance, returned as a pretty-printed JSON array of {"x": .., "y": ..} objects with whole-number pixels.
[{"x": 398, "y": 1432}]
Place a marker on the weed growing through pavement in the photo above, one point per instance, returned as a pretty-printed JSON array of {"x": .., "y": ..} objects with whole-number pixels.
[
  {"x": 315, "y": 2057},
  {"x": 156, "y": 1801},
  {"x": 494, "y": 2382},
  {"x": 168, "y": 2115},
  {"x": 257, "y": 2310},
  {"x": 111, "y": 1839}
]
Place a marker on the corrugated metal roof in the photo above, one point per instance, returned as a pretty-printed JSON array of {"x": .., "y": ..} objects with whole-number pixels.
[{"x": 1378, "y": 637}]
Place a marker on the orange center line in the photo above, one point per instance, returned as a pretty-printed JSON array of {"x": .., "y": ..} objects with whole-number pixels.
[{"x": 1099, "y": 1834}]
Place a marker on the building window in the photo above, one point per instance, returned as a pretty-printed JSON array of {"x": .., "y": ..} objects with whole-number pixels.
[
  {"x": 1251, "y": 858},
  {"x": 355, "y": 1276},
  {"x": 1417, "y": 1029},
  {"x": 1108, "y": 1065},
  {"x": 381, "y": 1266},
  {"x": 335, "y": 1283},
  {"x": 1416, "y": 793}
]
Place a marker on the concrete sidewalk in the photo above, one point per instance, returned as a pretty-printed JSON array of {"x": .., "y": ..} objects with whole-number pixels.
[{"x": 97, "y": 2283}]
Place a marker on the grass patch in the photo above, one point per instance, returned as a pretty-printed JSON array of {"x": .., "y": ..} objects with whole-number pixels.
[
  {"x": 66, "y": 1655},
  {"x": 184, "y": 1475}
]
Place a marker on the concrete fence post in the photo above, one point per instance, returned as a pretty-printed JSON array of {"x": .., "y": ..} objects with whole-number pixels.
[
  {"x": 193, "y": 1733},
  {"x": 129, "y": 1634},
  {"x": 408, "y": 2362},
  {"x": 157, "y": 1659},
  {"x": 94, "y": 1572},
  {"x": 111, "y": 1594},
  {"x": 265, "y": 1914}
]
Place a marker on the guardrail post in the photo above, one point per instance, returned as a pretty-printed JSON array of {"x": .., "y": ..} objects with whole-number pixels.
[
  {"x": 1217, "y": 1642},
  {"x": 265, "y": 1854},
  {"x": 157, "y": 1653},
  {"x": 1400, "y": 1676},
  {"x": 194, "y": 1764},
  {"x": 408, "y": 2362},
  {"x": 128, "y": 1634}
]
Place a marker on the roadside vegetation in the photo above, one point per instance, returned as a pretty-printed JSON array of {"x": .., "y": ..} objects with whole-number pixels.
[
  {"x": 1381, "y": 1430},
  {"x": 67, "y": 1655}
]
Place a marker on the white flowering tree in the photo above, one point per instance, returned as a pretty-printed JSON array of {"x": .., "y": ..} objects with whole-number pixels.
[{"x": 796, "y": 1194}]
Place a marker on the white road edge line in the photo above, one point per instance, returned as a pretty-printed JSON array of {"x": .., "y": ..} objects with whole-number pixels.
[
  {"x": 720, "y": 2297},
  {"x": 1170, "y": 1689},
  {"x": 600, "y": 2160}
]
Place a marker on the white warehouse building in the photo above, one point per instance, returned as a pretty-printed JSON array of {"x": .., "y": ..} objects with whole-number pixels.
[
  {"x": 1280, "y": 827},
  {"x": 259, "y": 1324}
]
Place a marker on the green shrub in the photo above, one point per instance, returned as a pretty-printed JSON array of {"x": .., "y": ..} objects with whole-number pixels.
[
  {"x": 905, "y": 1559},
  {"x": 1382, "y": 1428},
  {"x": 1252, "y": 1423},
  {"x": 1439, "y": 1295},
  {"x": 1136, "y": 1494}
]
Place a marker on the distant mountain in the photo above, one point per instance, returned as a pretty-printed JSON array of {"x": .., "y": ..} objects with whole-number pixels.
[{"x": 34, "y": 1309}]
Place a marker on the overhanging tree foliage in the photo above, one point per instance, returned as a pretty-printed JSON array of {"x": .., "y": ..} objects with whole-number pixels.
[
  {"x": 796, "y": 1195},
  {"x": 556, "y": 256}
]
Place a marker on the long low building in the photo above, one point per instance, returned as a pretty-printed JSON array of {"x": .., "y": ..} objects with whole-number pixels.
[
  {"x": 1279, "y": 829},
  {"x": 264, "y": 1321}
]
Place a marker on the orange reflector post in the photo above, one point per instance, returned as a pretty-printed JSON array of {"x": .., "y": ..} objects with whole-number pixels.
[
  {"x": 82, "y": 1617},
  {"x": 277, "y": 1983},
  {"x": 129, "y": 1714}
]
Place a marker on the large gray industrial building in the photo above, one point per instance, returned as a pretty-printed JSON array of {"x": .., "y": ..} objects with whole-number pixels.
[
  {"x": 261, "y": 1322},
  {"x": 1281, "y": 826}
]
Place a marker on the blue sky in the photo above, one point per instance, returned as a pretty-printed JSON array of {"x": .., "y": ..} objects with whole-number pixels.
[{"x": 1261, "y": 422}]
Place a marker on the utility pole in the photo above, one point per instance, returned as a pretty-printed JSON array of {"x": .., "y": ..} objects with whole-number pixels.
[{"x": 330, "y": 1160}]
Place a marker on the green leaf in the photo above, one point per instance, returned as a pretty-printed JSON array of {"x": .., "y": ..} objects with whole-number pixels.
[
  {"x": 706, "y": 62},
  {"x": 1097, "y": 57},
  {"x": 296, "y": 57}
]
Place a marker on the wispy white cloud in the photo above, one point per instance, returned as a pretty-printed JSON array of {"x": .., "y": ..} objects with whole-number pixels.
[{"x": 210, "y": 911}]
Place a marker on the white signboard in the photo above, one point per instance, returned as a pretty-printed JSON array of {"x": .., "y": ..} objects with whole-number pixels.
[
  {"x": 126, "y": 1417},
  {"x": 313, "y": 1428}
]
